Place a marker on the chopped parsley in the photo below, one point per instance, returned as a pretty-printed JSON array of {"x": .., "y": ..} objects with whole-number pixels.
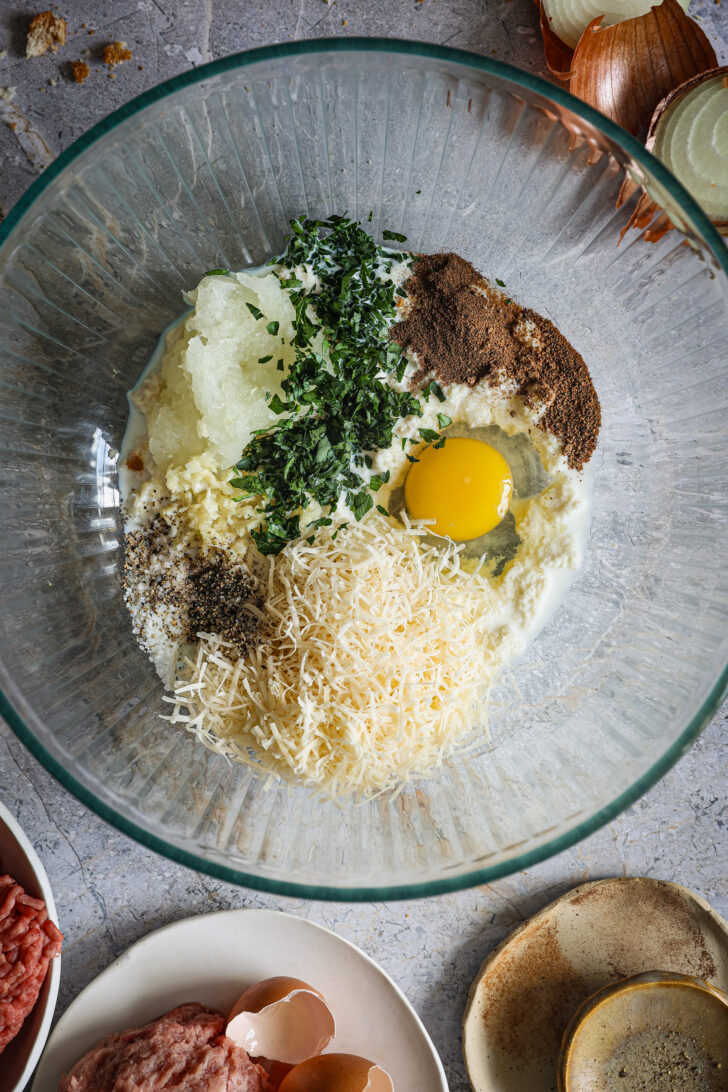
[
  {"x": 434, "y": 388},
  {"x": 255, "y": 311},
  {"x": 338, "y": 404},
  {"x": 216, "y": 273},
  {"x": 500, "y": 283}
]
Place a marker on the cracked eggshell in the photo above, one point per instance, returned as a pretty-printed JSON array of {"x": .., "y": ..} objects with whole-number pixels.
[
  {"x": 337, "y": 1073},
  {"x": 281, "y": 1019}
]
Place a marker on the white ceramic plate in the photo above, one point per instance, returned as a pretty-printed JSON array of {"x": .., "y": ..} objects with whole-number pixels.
[
  {"x": 19, "y": 859},
  {"x": 213, "y": 958}
]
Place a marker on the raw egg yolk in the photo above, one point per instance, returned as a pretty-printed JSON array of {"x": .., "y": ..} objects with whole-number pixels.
[{"x": 464, "y": 486}]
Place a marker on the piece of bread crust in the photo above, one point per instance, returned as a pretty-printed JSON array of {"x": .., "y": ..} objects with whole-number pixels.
[{"x": 45, "y": 31}]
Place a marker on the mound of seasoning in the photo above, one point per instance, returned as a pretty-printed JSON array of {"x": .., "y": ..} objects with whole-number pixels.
[
  {"x": 463, "y": 330},
  {"x": 176, "y": 590},
  {"x": 223, "y": 601}
]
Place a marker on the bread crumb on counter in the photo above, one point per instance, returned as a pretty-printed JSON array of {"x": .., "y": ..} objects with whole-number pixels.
[
  {"x": 45, "y": 31},
  {"x": 80, "y": 70},
  {"x": 115, "y": 53}
]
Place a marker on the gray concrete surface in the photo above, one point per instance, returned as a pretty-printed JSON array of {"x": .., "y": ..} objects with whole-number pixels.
[{"x": 110, "y": 892}]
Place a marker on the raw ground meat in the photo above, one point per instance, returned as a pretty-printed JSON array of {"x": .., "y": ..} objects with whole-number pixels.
[
  {"x": 184, "y": 1051},
  {"x": 28, "y": 942}
]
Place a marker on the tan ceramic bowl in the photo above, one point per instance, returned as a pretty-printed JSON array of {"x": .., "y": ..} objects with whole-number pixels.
[{"x": 656, "y": 1022}]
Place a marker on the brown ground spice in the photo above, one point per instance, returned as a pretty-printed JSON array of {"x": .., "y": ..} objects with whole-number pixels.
[{"x": 463, "y": 331}]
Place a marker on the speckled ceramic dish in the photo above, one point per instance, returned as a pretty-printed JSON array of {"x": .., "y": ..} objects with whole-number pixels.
[
  {"x": 655, "y": 1031},
  {"x": 529, "y": 988},
  {"x": 19, "y": 859}
]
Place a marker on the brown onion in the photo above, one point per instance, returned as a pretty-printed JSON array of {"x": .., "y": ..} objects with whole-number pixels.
[{"x": 626, "y": 69}]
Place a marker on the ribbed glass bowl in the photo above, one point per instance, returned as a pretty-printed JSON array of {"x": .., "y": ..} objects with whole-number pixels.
[{"x": 458, "y": 152}]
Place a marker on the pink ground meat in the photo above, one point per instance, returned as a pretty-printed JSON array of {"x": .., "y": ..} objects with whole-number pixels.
[
  {"x": 184, "y": 1051},
  {"x": 28, "y": 942}
]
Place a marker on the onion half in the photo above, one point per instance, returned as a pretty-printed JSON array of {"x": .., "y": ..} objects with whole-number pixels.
[
  {"x": 689, "y": 134},
  {"x": 626, "y": 69}
]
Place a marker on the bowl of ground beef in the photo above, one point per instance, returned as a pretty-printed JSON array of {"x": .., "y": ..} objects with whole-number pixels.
[{"x": 30, "y": 963}]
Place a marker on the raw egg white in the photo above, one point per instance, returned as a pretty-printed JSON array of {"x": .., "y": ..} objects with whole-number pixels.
[
  {"x": 337, "y": 1073},
  {"x": 465, "y": 486},
  {"x": 281, "y": 1020}
]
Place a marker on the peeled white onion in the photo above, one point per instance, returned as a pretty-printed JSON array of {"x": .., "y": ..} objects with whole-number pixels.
[
  {"x": 689, "y": 134},
  {"x": 569, "y": 19}
]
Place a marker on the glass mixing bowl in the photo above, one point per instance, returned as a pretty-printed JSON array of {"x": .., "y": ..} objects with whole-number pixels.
[{"x": 458, "y": 152}]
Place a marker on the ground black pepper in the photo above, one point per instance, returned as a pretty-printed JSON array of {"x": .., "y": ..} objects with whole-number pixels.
[
  {"x": 189, "y": 590},
  {"x": 222, "y": 593}
]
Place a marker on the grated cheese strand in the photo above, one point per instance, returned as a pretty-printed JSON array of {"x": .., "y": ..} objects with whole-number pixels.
[{"x": 372, "y": 669}]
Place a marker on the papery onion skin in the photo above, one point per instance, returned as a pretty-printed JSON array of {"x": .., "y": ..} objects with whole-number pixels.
[
  {"x": 557, "y": 26},
  {"x": 568, "y": 19},
  {"x": 626, "y": 69},
  {"x": 558, "y": 55}
]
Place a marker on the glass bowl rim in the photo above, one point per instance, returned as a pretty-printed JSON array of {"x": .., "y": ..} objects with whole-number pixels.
[{"x": 719, "y": 251}]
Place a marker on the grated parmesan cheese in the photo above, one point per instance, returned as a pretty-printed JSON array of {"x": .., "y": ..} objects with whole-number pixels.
[{"x": 373, "y": 664}]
